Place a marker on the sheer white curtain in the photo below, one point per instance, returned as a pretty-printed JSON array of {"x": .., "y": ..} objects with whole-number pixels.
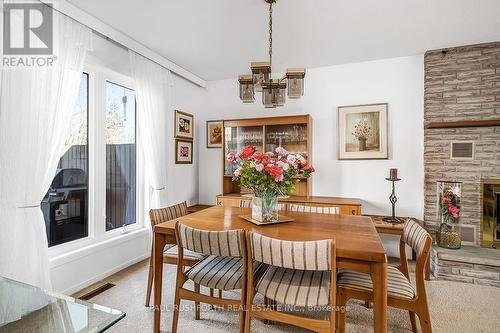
[
  {"x": 153, "y": 86},
  {"x": 36, "y": 105}
]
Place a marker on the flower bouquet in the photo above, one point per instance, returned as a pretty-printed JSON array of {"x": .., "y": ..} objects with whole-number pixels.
[
  {"x": 449, "y": 213},
  {"x": 362, "y": 132},
  {"x": 268, "y": 175}
]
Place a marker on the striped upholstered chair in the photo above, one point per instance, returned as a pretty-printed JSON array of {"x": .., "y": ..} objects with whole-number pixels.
[
  {"x": 248, "y": 204},
  {"x": 224, "y": 268},
  {"x": 400, "y": 292},
  {"x": 314, "y": 209},
  {"x": 160, "y": 215},
  {"x": 300, "y": 274}
]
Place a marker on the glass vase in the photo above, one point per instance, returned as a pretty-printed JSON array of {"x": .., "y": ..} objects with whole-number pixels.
[
  {"x": 449, "y": 195},
  {"x": 265, "y": 208}
]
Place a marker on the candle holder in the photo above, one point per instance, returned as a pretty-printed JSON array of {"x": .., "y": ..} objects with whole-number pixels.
[{"x": 392, "y": 198}]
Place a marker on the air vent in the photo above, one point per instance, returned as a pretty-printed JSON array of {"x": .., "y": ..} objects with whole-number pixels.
[
  {"x": 462, "y": 150},
  {"x": 468, "y": 234},
  {"x": 96, "y": 291}
]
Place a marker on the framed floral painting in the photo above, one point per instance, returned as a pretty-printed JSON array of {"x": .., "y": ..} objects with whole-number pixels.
[
  {"x": 214, "y": 133},
  {"x": 184, "y": 125},
  {"x": 183, "y": 151},
  {"x": 363, "y": 132}
]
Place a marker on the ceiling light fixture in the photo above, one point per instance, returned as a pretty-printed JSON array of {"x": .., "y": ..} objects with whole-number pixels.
[{"x": 273, "y": 90}]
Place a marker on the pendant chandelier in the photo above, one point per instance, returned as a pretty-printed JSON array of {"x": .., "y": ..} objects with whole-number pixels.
[{"x": 261, "y": 79}]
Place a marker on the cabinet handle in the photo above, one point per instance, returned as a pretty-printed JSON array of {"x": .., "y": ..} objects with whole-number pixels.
[{"x": 353, "y": 212}]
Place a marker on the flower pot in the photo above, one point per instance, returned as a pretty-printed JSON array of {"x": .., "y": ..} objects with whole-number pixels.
[
  {"x": 448, "y": 235},
  {"x": 362, "y": 144},
  {"x": 265, "y": 208}
]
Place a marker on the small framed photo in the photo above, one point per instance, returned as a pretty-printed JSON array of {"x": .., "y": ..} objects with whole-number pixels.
[
  {"x": 363, "y": 132},
  {"x": 183, "y": 151},
  {"x": 215, "y": 129},
  {"x": 184, "y": 125}
]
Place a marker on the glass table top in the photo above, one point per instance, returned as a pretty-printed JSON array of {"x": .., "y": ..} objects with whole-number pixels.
[{"x": 26, "y": 309}]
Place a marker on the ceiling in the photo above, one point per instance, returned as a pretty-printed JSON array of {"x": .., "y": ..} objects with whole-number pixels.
[{"x": 217, "y": 39}]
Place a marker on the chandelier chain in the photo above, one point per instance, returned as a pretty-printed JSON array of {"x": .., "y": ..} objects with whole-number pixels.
[{"x": 270, "y": 32}]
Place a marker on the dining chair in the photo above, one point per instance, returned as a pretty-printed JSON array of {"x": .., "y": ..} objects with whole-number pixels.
[
  {"x": 400, "y": 292},
  {"x": 170, "y": 253},
  {"x": 300, "y": 275},
  {"x": 224, "y": 268},
  {"x": 314, "y": 209}
]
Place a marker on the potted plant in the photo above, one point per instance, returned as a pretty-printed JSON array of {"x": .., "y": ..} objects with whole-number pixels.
[
  {"x": 268, "y": 175},
  {"x": 449, "y": 194}
]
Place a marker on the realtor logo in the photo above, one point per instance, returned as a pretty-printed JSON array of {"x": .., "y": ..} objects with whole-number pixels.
[{"x": 28, "y": 29}]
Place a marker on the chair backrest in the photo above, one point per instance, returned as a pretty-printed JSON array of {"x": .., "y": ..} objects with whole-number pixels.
[
  {"x": 248, "y": 204},
  {"x": 314, "y": 209},
  {"x": 311, "y": 255},
  {"x": 415, "y": 236},
  {"x": 229, "y": 243},
  {"x": 168, "y": 213}
]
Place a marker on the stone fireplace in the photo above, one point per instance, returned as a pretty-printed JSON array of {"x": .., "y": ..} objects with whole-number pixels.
[
  {"x": 462, "y": 110},
  {"x": 462, "y": 104},
  {"x": 491, "y": 213}
]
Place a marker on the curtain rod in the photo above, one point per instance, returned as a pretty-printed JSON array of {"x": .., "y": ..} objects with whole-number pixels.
[{"x": 180, "y": 71}]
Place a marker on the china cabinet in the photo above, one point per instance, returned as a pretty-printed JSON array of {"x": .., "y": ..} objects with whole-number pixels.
[{"x": 290, "y": 132}]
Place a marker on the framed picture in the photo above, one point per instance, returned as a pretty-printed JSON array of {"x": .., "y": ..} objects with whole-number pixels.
[
  {"x": 363, "y": 132},
  {"x": 183, "y": 151},
  {"x": 215, "y": 131},
  {"x": 184, "y": 125}
]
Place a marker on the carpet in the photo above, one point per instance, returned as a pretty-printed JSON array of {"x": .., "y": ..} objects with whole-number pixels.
[{"x": 454, "y": 307}]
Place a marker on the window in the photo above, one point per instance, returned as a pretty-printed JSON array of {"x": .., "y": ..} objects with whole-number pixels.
[
  {"x": 65, "y": 206},
  {"x": 120, "y": 156}
]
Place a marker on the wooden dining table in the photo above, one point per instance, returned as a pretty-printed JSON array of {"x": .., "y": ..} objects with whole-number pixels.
[{"x": 358, "y": 245}]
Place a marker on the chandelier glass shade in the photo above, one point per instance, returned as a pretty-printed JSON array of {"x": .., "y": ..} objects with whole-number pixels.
[{"x": 273, "y": 91}]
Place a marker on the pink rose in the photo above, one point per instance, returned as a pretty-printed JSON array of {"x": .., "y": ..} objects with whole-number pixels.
[
  {"x": 281, "y": 151},
  {"x": 286, "y": 166},
  {"x": 454, "y": 211},
  {"x": 237, "y": 172},
  {"x": 279, "y": 178},
  {"x": 259, "y": 167},
  {"x": 231, "y": 157}
]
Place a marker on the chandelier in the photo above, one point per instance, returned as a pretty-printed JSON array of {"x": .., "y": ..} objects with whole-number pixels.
[{"x": 261, "y": 79}]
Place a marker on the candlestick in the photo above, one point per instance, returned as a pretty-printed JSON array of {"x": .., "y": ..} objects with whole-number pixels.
[{"x": 393, "y": 177}]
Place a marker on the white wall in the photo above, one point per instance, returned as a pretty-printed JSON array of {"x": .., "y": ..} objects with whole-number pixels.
[
  {"x": 88, "y": 263},
  {"x": 397, "y": 81}
]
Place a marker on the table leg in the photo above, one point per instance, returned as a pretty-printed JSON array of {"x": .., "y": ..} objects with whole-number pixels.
[
  {"x": 378, "y": 272},
  {"x": 159, "y": 242}
]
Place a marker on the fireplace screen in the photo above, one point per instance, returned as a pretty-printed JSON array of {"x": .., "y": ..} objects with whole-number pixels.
[{"x": 490, "y": 214}]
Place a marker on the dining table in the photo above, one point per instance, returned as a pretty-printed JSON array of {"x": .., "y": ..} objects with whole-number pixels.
[{"x": 358, "y": 245}]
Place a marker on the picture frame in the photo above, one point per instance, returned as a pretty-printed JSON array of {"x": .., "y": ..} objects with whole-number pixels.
[
  {"x": 362, "y": 132},
  {"x": 183, "y": 125},
  {"x": 183, "y": 151},
  {"x": 215, "y": 133}
]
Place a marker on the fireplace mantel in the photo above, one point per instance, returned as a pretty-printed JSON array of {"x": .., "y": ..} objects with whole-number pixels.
[{"x": 463, "y": 124}]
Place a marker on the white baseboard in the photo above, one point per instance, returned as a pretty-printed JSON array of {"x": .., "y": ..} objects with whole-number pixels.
[{"x": 77, "y": 287}]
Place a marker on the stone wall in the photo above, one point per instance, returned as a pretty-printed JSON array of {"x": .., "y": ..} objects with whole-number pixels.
[{"x": 461, "y": 83}]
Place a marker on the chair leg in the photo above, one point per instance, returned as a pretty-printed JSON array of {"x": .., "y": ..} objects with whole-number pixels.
[
  {"x": 220, "y": 293},
  {"x": 413, "y": 322},
  {"x": 197, "y": 304},
  {"x": 242, "y": 311},
  {"x": 150, "y": 283},
  {"x": 425, "y": 320},
  {"x": 212, "y": 295},
  {"x": 175, "y": 314},
  {"x": 342, "y": 303}
]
